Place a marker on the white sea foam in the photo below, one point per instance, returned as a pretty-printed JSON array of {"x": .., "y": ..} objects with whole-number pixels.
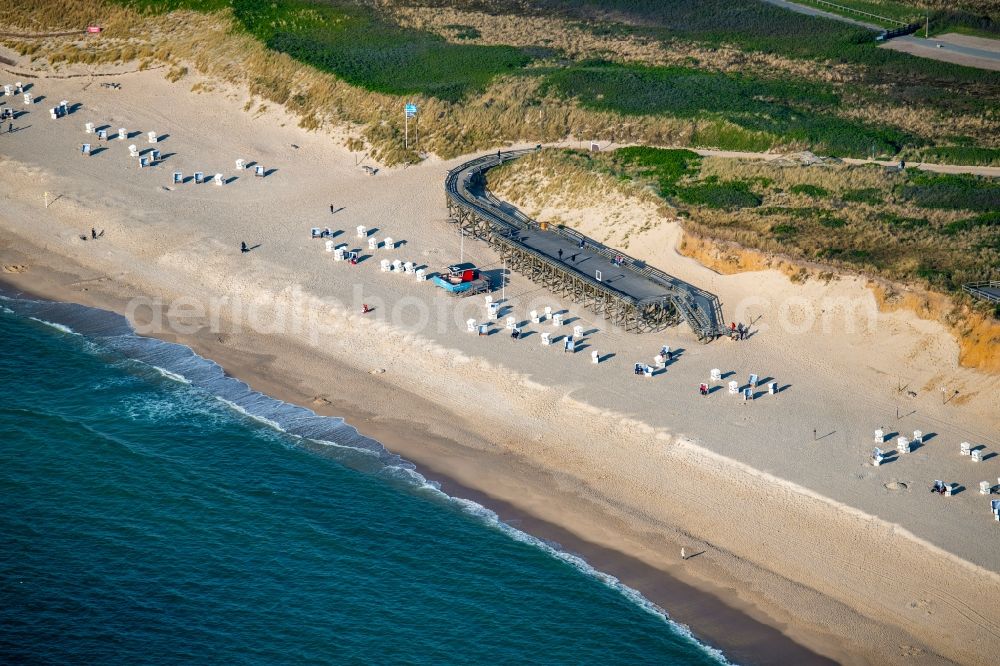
[
  {"x": 259, "y": 419},
  {"x": 58, "y": 327},
  {"x": 338, "y": 445},
  {"x": 172, "y": 375}
]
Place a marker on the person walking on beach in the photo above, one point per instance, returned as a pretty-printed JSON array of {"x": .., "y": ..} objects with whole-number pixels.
[
  {"x": 10, "y": 128},
  {"x": 93, "y": 233},
  {"x": 331, "y": 209},
  {"x": 243, "y": 247}
]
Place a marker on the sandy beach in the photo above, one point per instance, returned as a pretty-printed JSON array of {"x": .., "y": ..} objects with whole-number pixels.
[{"x": 802, "y": 547}]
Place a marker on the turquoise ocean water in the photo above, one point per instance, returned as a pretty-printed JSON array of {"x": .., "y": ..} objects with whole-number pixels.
[{"x": 153, "y": 510}]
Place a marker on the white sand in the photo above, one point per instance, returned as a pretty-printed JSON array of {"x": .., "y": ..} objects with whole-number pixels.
[{"x": 803, "y": 533}]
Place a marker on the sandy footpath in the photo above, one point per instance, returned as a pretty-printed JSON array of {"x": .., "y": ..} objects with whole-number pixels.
[{"x": 797, "y": 530}]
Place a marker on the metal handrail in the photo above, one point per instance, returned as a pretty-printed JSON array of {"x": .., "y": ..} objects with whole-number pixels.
[{"x": 976, "y": 289}]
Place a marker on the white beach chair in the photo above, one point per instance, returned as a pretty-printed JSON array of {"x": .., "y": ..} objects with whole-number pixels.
[
  {"x": 902, "y": 445},
  {"x": 372, "y": 243},
  {"x": 178, "y": 177},
  {"x": 557, "y": 319},
  {"x": 647, "y": 371},
  {"x": 389, "y": 244},
  {"x": 716, "y": 375},
  {"x": 240, "y": 165},
  {"x": 493, "y": 309},
  {"x": 995, "y": 507},
  {"x": 965, "y": 448},
  {"x": 199, "y": 177},
  {"x": 511, "y": 323},
  {"x": 595, "y": 358},
  {"x": 8, "y": 90},
  {"x": 258, "y": 171},
  {"x": 949, "y": 489},
  {"x": 747, "y": 394},
  {"x": 329, "y": 245},
  {"x": 85, "y": 149},
  {"x": 88, "y": 128},
  {"x": 362, "y": 231},
  {"x": 28, "y": 99},
  {"x": 977, "y": 455},
  {"x": 877, "y": 457},
  {"x": 470, "y": 325},
  {"x": 410, "y": 267},
  {"x": 397, "y": 266},
  {"x": 421, "y": 275},
  {"x": 53, "y": 114},
  {"x": 102, "y": 135},
  {"x": 752, "y": 381},
  {"x": 984, "y": 488},
  {"x": 143, "y": 162},
  {"x": 578, "y": 331},
  {"x": 122, "y": 133},
  {"x": 219, "y": 180},
  {"x": 918, "y": 436},
  {"x": 338, "y": 253},
  {"x": 534, "y": 317},
  {"x": 151, "y": 137},
  {"x": 545, "y": 339},
  {"x": 879, "y": 436},
  {"x": 133, "y": 150},
  {"x": 548, "y": 311},
  {"x": 772, "y": 388},
  {"x": 64, "y": 106},
  {"x": 734, "y": 387},
  {"x": 660, "y": 361},
  {"x": 488, "y": 298},
  {"x": 385, "y": 265}
]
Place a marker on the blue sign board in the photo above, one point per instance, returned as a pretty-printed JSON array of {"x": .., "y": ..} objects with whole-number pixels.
[{"x": 411, "y": 110}]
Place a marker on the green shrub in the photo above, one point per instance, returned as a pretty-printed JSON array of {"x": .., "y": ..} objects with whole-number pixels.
[
  {"x": 814, "y": 191},
  {"x": 991, "y": 219},
  {"x": 960, "y": 192},
  {"x": 868, "y": 195},
  {"x": 901, "y": 222},
  {"x": 665, "y": 165},
  {"x": 725, "y": 195},
  {"x": 965, "y": 155},
  {"x": 796, "y": 111},
  {"x": 354, "y": 42}
]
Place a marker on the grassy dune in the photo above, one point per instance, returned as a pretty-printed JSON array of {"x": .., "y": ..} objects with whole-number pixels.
[
  {"x": 744, "y": 76},
  {"x": 938, "y": 231}
]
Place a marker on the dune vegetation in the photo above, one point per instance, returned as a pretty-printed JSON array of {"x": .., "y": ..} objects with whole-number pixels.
[
  {"x": 934, "y": 230},
  {"x": 739, "y": 76}
]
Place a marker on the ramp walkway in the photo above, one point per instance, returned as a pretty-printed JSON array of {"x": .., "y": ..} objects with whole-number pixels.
[{"x": 625, "y": 290}]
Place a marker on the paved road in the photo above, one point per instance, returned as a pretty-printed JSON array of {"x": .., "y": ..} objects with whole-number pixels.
[
  {"x": 918, "y": 46},
  {"x": 962, "y": 54},
  {"x": 812, "y": 11}
]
